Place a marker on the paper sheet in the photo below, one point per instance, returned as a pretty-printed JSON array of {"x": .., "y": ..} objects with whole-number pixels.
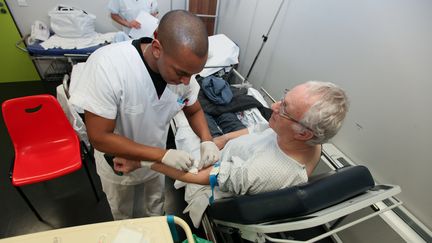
[
  {"x": 148, "y": 26},
  {"x": 130, "y": 236}
]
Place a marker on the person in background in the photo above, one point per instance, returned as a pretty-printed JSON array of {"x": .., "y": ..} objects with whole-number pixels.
[
  {"x": 124, "y": 12},
  {"x": 129, "y": 92}
]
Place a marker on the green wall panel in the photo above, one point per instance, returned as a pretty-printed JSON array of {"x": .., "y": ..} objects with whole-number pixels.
[{"x": 15, "y": 65}]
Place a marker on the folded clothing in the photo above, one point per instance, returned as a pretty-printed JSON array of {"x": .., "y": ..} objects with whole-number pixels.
[{"x": 217, "y": 90}]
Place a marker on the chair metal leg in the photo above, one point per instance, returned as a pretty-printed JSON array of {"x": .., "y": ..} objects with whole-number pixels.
[
  {"x": 88, "y": 152},
  {"x": 90, "y": 179},
  {"x": 29, "y": 204},
  {"x": 22, "y": 193}
]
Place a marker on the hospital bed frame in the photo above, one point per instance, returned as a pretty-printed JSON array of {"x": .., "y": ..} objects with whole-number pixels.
[
  {"x": 60, "y": 60},
  {"x": 329, "y": 217},
  {"x": 72, "y": 56}
]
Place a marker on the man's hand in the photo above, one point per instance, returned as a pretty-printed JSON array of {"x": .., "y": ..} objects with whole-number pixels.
[
  {"x": 178, "y": 159},
  {"x": 125, "y": 166},
  {"x": 209, "y": 154},
  {"x": 134, "y": 24}
]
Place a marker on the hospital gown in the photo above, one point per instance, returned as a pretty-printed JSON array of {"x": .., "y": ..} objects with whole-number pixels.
[
  {"x": 250, "y": 164},
  {"x": 254, "y": 163}
]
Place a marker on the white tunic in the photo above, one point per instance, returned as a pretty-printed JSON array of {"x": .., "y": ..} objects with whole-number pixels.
[
  {"x": 129, "y": 9},
  {"x": 115, "y": 84}
]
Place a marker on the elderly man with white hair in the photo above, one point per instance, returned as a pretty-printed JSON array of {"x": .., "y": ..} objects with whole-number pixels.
[{"x": 279, "y": 154}]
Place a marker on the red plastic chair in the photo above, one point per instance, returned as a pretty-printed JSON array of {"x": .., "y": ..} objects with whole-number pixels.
[{"x": 46, "y": 146}]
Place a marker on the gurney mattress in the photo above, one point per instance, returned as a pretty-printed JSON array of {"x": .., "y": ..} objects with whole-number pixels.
[{"x": 37, "y": 50}]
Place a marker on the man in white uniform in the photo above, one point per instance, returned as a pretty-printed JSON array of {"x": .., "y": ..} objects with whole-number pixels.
[
  {"x": 130, "y": 91},
  {"x": 124, "y": 12}
]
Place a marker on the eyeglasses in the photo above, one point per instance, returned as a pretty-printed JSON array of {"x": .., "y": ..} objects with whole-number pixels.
[{"x": 284, "y": 114}]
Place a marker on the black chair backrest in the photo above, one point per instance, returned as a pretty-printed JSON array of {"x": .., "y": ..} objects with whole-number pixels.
[{"x": 320, "y": 192}]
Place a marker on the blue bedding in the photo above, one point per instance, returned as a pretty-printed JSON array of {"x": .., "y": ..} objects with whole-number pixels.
[{"x": 37, "y": 50}]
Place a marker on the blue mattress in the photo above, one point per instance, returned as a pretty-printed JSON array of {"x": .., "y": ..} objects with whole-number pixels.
[{"x": 37, "y": 50}]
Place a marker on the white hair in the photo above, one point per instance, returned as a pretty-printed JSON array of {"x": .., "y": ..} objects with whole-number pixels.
[{"x": 326, "y": 115}]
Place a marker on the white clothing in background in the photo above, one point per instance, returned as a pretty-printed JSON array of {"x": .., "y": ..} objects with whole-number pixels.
[
  {"x": 115, "y": 84},
  {"x": 72, "y": 115},
  {"x": 56, "y": 41},
  {"x": 129, "y": 9},
  {"x": 39, "y": 32},
  {"x": 222, "y": 52}
]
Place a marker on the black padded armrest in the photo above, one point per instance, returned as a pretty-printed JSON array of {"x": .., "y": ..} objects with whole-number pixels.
[{"x": 320, "y": 192}]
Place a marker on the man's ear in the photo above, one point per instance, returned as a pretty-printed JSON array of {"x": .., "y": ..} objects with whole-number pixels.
[
  {"x": 156, "y": 48},
  {"x": 304, "y": 135}
]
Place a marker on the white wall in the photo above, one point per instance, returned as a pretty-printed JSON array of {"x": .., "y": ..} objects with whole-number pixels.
[
  {"x": 379, "y": 51},
  {"x": 38, "y": 10}
]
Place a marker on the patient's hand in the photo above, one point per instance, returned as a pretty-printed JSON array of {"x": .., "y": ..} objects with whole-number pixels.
[
  {"x": 125, "y": 166},
  {"x": 220, "y": 141}
]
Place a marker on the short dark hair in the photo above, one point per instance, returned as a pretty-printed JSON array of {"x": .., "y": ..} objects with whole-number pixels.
[{"x": 180, "y": 28}]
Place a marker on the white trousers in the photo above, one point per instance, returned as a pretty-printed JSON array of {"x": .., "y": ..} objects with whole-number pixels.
[{"x": 142, "y": 200}]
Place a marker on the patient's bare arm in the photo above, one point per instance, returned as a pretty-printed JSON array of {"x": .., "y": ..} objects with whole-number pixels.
[
  {"x": 222, "y": 140},
  {"x": 201, "y": 178}
]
